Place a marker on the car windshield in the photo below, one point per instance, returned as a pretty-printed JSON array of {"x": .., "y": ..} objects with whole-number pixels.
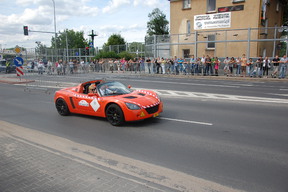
[{"x": 113, "y": 88}]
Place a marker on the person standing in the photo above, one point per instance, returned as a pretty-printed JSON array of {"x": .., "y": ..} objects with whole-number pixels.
[
  {"x": 176, "y": 65},
  {"x": 157, "y": 64},
  {"x": 275, "y": 62},
  {"x": 71, "y": 66},
  {"x": 226, "y": 65},
  {"x": 40, "y": 67},
  {"x": 238, "y": 66},
  {"x": 194, "y": 66},
  {"x": 163, "y": 65},
  {"x": 260, "y": 66},
  {"x": 180, "y": 65},
  {"x": 249, "y": 67},
  {"x": 8, "y": 63},
  {"x": 123, "y": 64},
  {"x": 148, "y": 61},
  {"x": 49, "y": 66},
  {"x": 59, "y": 67},
  {"x": 208, "y": 65},
  {"x": 185, "y": 66},
  {"x": 266, "y": 66},
  {"x": 169, "y": 66},
  {"x": 203, "y": 64},
  {"x": 216, "y": 65},
  {"x": 232, "y": 63},
  {"x": 283, "y": 67},
  {"x": 243, "y": 65}
]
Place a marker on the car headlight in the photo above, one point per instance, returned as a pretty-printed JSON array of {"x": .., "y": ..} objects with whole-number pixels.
[
  {"x": 132, "y": 106},
  {"x": 158, "y": 97}
]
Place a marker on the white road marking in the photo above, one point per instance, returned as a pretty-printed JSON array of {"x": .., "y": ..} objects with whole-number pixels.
[
  {"x": 217, "y": 96},
  {"x": 186, "y": 121},
  {"x": 179, "y": 83},
  {"x": 285, "y": 95}
]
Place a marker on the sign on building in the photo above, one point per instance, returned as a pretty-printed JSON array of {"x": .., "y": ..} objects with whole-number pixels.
[{"x": 212, "y": 21}]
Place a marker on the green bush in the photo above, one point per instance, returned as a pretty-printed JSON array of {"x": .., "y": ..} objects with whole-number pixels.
[
  {"x": 113, "y": 55},
  {"x": 110, "y": 54},
  {"x": 126, "y": 55}
]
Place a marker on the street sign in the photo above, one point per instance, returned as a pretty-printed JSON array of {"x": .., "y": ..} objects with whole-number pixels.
[
  {"x": 19, "y": 71},
  {"x": 17, "y": 49},
  {"x": 18, "y": 61}
]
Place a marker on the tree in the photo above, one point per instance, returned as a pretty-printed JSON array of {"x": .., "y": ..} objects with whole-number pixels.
[
  {"x": 40, "y": 48},
  {"x": 137, "y": 48},
  {"x": 115, "y": 43},
  {"x": 74, "y": 39},
  {"x": 157, "y": 24},
  {"x": 115, "y": 39}
]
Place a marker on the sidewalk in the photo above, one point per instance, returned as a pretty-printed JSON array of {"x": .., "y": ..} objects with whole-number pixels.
[
  {"x": 35, "y": 161},
  {"x": 13, "y": 79},
  {"x": 29, "y": 167}
]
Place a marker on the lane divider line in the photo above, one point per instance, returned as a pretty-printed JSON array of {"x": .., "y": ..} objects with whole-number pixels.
[{"x": 186, "y": 121}]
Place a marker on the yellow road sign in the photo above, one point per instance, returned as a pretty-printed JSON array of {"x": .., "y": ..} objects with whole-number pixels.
[{"x": 17, "y": 49}]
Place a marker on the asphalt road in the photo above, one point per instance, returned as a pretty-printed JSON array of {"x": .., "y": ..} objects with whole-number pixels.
[{"x": 240, "y": 142}]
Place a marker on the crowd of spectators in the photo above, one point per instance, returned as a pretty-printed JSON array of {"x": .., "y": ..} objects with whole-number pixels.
[{"x": 207, "y": 66}]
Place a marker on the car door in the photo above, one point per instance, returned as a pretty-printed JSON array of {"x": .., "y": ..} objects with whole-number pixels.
[{"x": 89, "y": 105}]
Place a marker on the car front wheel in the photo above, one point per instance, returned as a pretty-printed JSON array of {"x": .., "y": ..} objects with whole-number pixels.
[
  {"x": 62, "y": 107},
  {"x": 114, "y": 115}
]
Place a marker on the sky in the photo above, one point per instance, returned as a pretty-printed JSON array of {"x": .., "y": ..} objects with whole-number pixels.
[{"x": 106, "y": 17}]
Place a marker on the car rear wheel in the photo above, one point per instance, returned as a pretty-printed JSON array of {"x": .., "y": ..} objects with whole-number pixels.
[
  {"x": 114, "y": 115},
  {"x": 62, "y": 107}
]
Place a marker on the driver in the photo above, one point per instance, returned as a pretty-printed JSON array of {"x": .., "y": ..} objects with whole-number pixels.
[{"x": 92, "y": 88}]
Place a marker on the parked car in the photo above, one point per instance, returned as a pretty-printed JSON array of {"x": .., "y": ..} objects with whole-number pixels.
[
  {"x": 112, "y": 100},
  {"x": 11, "y": 69}
]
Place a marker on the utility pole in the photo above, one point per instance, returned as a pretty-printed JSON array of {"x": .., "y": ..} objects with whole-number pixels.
[
  {"x": 92, "y": 35},
  {"x": 55, "y": 30}
]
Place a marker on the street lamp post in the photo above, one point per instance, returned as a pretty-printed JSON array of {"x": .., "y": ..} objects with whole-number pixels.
[
  {"x": 55, "y": 29},
  {"x": 284, "y": 28}
]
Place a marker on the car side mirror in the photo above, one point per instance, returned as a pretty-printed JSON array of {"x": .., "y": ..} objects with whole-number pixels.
[{"x": 93, "y": 94}]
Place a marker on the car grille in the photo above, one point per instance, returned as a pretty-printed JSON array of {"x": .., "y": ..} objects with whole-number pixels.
[{"x": 151, "y": 110}]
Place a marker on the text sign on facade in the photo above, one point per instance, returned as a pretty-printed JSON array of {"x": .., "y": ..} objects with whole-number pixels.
[{"x": 212, "y": 21}]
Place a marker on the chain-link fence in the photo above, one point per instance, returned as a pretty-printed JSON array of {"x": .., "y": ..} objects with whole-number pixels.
[{"x": 253, "y": 42}]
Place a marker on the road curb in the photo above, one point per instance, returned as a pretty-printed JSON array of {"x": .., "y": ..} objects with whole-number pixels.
[{"x": 8, "y": 80}]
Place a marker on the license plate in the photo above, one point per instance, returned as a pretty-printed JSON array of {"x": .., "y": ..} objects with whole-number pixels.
[{"x": 156, "y": 115}]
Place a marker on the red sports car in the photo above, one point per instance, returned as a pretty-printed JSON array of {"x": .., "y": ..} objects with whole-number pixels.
[{"x": 111, "y": 100}]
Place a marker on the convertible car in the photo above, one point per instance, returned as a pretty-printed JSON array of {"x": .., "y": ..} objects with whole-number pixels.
[{"x": 111, "y": 100}]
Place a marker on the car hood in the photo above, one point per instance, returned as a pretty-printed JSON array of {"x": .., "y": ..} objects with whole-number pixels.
[{"x": 142, "y": 98}]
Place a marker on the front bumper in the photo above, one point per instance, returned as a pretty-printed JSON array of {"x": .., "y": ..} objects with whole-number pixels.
[{"x": 135, "y": 115}]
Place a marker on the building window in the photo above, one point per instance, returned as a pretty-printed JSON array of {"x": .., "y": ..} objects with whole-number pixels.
[
  {"x": 211, "y": 45},
  {"x": 188, "y": 27},
  {"x": 186, "y": 4},
  {"x": 211, "y": 5},
  {"x": 186, "y": 53},
  {"x": 277, "y": 6},
  {"x": 238, "y": 1}
]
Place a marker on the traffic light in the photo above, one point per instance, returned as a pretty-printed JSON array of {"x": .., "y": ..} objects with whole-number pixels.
[
  {"x": 25, "y": 30},
  {"x": 87, "y": 51}
]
